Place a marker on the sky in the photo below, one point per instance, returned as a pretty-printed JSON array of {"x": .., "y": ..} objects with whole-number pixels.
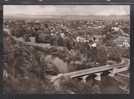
[{"x": 66, "y": 10}]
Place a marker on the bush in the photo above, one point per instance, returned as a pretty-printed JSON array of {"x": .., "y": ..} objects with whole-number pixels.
[
  {"x": 114, "y": 54},
  {"x": 101, "y": 55}
]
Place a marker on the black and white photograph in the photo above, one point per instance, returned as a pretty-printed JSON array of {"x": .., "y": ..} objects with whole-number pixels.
[{"x": 66, "y": 49}]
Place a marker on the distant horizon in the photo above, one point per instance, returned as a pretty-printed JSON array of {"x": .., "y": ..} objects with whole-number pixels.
[{"x": 63, "y": 16}]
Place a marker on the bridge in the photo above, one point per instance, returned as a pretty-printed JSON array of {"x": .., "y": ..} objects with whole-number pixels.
[
  {"x": 84, "y": 73},
  {"x": 114, "y": 69}
]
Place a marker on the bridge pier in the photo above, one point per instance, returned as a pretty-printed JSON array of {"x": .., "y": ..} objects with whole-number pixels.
[
  {"x": 84, "y": 78},
  {"x": 98, "y": 76},
  {"x": 113, "y": 72}
]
